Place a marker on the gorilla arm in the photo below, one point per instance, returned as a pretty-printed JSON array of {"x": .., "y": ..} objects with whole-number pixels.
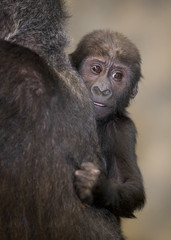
[{"x": 122, "y": 191}]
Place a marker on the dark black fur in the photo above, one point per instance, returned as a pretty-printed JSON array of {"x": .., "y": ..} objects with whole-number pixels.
[
  {"x": 47, "y": 130},
  {"x": 122, "y": 190}
]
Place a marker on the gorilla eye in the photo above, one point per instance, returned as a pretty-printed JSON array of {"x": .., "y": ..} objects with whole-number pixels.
[
  {"x": 96, "y": 69},
  {"x": 117, "y": 76}
]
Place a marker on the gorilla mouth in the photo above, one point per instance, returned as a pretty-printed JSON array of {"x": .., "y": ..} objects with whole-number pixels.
[{"x": 99, "y": 104}]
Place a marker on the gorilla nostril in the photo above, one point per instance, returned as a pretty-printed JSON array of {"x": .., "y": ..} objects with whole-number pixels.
[
  {"x": 106, "y": 92},
  {"x": 96, "y": 90}
]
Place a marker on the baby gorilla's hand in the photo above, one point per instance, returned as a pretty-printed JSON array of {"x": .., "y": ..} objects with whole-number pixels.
[{"x": 86, "y": 179}]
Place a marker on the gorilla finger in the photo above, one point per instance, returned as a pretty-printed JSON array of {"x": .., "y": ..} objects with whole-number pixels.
[{"x": 89, "y": 166}]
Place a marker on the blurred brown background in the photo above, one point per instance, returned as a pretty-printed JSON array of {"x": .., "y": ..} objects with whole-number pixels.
[{"x": 148, "y": 24}]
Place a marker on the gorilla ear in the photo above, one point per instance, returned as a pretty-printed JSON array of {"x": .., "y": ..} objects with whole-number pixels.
[{"x": 134, "y": 91}]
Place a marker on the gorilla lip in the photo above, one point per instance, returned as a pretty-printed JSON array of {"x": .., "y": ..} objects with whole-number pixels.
[{"x": 99, "y": 104}]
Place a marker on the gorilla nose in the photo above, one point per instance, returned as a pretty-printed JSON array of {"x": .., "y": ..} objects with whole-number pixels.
[
  {"x": 98, "y": 91},
  {"x": 106, "y": 92}
]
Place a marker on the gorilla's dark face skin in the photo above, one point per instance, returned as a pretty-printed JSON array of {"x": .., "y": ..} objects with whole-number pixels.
[
  {"x": 108, "y": 82},
  {"x": 110, "y": 66}
]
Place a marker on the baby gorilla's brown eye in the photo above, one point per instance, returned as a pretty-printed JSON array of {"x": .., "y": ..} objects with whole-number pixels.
[
  {"x": 96, "y": 69},
  {"x": 117, "y": 76}
]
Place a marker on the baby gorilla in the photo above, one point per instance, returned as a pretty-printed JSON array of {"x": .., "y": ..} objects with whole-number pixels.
[{"x": 110, "y": 67}]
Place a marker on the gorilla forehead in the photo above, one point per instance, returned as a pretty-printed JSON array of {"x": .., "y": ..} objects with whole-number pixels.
[{"x": 110, "y": 44}]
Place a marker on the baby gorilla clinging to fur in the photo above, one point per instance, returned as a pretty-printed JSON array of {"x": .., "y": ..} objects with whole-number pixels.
[{"x": 110, "y": 67}]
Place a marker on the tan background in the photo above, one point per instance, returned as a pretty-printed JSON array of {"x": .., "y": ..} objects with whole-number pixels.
[{"x": 148, "y": 24}]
